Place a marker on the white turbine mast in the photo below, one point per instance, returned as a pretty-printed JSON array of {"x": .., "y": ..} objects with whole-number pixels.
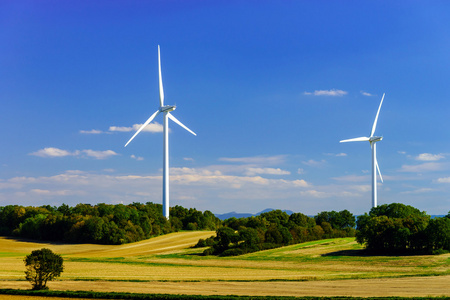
[
  {"x": 165, "y": 109},
  {"x": 372, "y": 139}
]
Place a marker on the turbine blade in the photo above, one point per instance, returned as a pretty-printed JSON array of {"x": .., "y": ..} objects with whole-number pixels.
[
  {"x": 359, "y": 139},
  {"x": 143, "y": 126},
  {"x": 179, "y": 123},
  {"x": 161, "y": 90},
  {"x": 376, "y": 118},
  {"x": 379, "y": 172}
]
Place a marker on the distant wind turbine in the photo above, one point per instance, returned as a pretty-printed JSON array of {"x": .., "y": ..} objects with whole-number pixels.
[
  {"x": 165, "y": 109},
  {"x": 372, "y": 139}
]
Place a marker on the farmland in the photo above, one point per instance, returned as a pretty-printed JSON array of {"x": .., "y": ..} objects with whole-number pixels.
[{"x": 167, "y": 264}]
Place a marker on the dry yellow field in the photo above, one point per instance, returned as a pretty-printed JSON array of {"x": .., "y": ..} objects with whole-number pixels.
[{"x": 167, "y": 264}]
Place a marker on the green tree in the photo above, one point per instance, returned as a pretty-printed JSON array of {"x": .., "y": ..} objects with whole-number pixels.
[
  {"x": 42, "y": 265},
  {"x": 276, "y": 216},
  {"x": 393, "y": 228},
  {"x": 250, "y": 238},
  {"x": 338, "y": 220},
  {"x": 225, "y": 238},
  {"x": 438, "y": 233},
  {"x": 299, "y": 219}
]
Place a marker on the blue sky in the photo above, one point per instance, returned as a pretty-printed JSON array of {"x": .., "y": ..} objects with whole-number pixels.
[{"x": 270, "y": 87}]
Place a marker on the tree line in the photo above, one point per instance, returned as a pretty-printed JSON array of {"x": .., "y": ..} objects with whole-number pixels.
[
  {"x": 275, "y": 229},
  {"x": 389, "y": 228},
  {"x": 101, "y": 223},
  {"x": 398, "y": 228}
]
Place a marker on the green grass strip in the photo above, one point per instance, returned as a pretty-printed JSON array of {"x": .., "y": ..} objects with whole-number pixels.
[{"x": 112, "y": 295}]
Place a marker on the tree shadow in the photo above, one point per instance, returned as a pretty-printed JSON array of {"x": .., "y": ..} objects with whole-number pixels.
[
  {"x": 358, "y": 252},
  {"x": 369, "y": 253},
  {"x": 25, "y": 240}
]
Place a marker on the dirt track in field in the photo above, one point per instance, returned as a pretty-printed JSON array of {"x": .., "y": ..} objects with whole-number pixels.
[{"x": 402, "y": 287}]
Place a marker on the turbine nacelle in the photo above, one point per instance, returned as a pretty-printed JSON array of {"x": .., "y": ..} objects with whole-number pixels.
[
  {"x": 167, "y": 108},
  {"x": 375, "y": 139}
]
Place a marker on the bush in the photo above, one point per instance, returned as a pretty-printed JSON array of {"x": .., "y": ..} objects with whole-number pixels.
[
  {"x": 42, "y": 265},
  {"x": 399, "y": 228}
]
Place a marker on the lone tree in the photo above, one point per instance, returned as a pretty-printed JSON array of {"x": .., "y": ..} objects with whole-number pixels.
[{"x": 42, "y": 265}]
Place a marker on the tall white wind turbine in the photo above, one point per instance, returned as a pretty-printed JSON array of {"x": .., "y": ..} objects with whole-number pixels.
[
  {"x": 372, "y": 139},
  {"x": 165, "y": 109}
]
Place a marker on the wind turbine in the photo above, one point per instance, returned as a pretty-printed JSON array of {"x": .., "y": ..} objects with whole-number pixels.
[
  {"x": 165, "y": 109},
  {"x": 372, "y": 139}
]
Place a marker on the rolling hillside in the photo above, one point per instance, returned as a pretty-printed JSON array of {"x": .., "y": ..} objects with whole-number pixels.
[{"x": 167, "y": 264}]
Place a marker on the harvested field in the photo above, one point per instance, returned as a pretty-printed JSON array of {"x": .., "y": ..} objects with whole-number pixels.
[
  {"x": 166, "y": 264},
  {"x": 400, "y": 287}
]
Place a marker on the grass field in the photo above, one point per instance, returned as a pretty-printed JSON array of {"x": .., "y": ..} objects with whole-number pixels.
[{"x": 167, "y": 264}]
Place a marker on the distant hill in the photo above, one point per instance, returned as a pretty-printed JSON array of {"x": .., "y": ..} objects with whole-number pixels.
[
  {"x": 246, "y": 215},
  {"x": 437, "y": 216}
]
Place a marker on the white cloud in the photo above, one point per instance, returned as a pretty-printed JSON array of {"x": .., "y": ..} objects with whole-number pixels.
[
  {"x": 314, "y": 163},
  {"x": 267, "y": 171},
  {"x": 333, "y": 93},
  {"x": 188, "y": 159},
  {"x": 194, "y": 171},
  {"x": 425, "y": 167},
  {"x": 138, "y": 158},
  {"x": 93, "y": 131},
  {"x": 336, "y": 154},
  {"x": 99, "y": 154},
  {"x": 120, "y": 129},
  {"x": 429, "y": 157},
  {"x": 366, "y": 94},
  {"x": 444, "y": 180},
  {"x": 300, "y": 171},
  {"x": 51, "y": 193},
  {"x": 152, "y": 127},
  {"x": 55, "y": 152}
]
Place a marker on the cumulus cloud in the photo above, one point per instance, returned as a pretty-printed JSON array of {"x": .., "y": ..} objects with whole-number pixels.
[
  {"x": 52, "y": 192},
  {"x": 93, "y": 131},
  {"x": 366, "y": 94},
  {"x": 425, "y": 167},
  {"x": 152, "y": 127},
  {"x": 444, "y": 180},
  {"x": 429, "y": 157},
  {"x": 336, "y": 154},
  {"x": 267, "y": 171},
  {"x": 332, "y": 93},
  {"x": 55, "y": 152},
  {"x": 314, "y": 163},
  {"x": 120, "y": 129},
  {"x": 214, "y": 188},
  {"x": 138, "y": 158},
  {"x": 99, "y": 154}
]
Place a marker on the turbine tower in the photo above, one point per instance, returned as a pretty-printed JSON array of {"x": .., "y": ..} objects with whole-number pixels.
[
  {"x": 372, "y": 139},
  {"x": 165, "y": 109}
]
